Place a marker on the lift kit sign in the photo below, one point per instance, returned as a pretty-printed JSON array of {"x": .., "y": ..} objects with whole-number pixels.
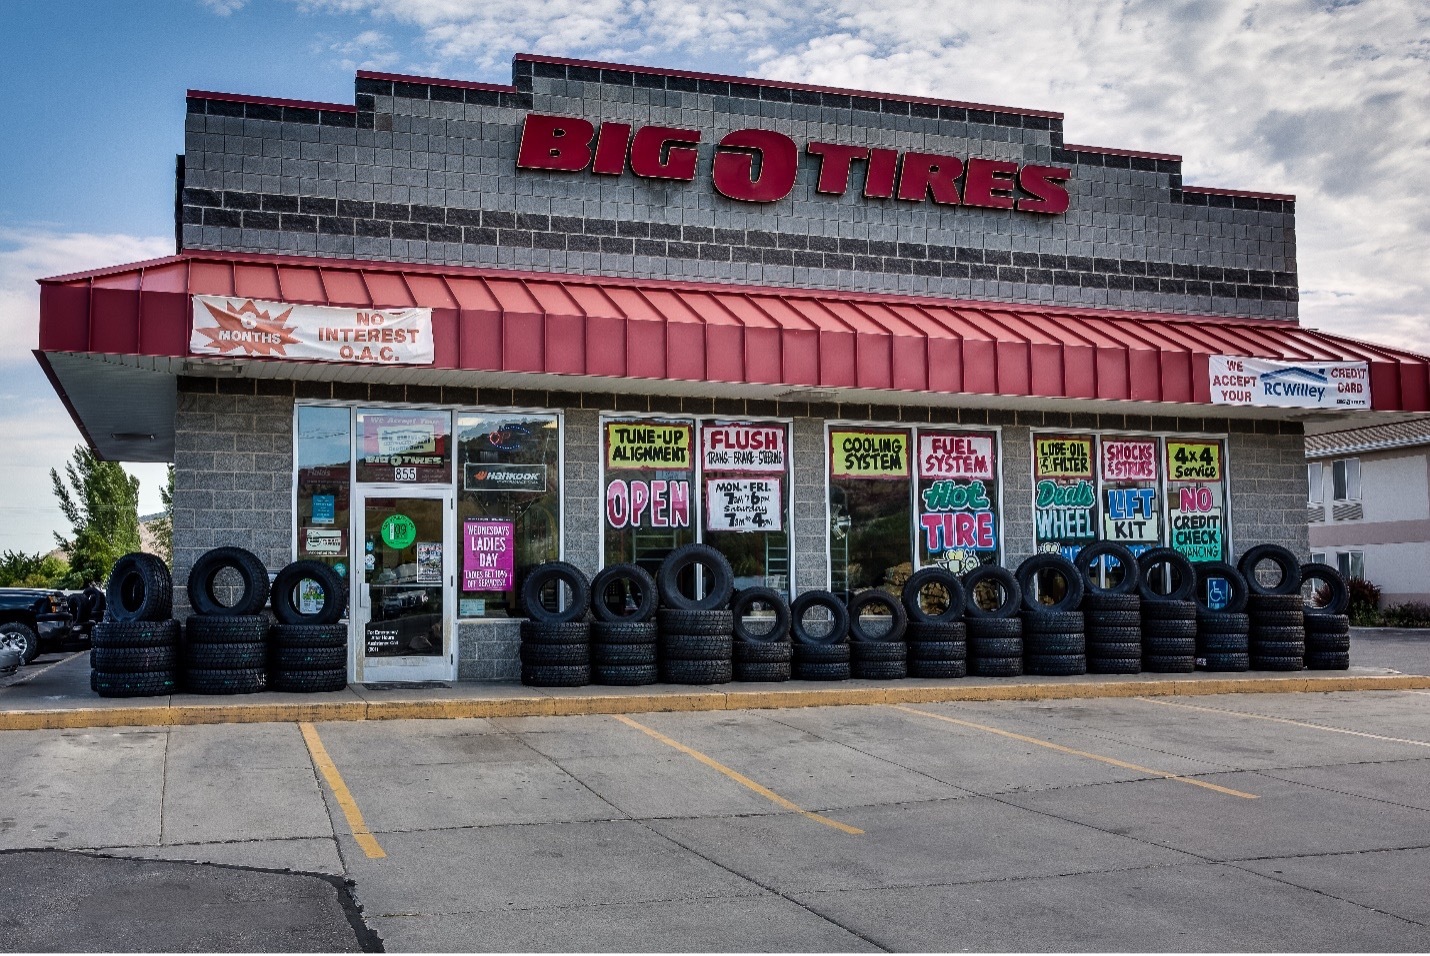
[
  {"x": 1236, "y": 380},
  {"x": 255, "y": 328}
]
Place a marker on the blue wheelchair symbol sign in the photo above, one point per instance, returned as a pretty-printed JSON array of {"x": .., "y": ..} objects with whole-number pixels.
[{"x": 1218, "y": 593}]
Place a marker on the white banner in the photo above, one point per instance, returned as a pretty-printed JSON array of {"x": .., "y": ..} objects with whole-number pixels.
[
  {"x": 743, "y": 447},
  {"x": 742, "y": 504},
  {"x": 254, "y": 328},
  {"x": 1236, "y": 380}
]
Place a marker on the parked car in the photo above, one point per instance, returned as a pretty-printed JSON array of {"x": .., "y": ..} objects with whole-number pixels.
[{"x": 36, "y": 620}]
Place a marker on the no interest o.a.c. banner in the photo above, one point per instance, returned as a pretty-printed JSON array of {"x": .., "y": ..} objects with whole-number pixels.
[
  {"x": 1237, "y": 380},
  {"x": 255, "y": 328}
]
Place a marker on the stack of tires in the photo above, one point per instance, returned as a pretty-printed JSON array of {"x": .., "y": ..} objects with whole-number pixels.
[
  {"x": 821, "y": 647},
  {"x": 936, "y": 636},
  {"x": 995, "y": 632},
  {"x": 1277, "y": 613},
  {"x": 696, "y": 644},
  {"x": 623, "y": 634},
  {"x": 1112, "y": 609},
  {"x": 136, "y": 648},
  {"x": 1222, "y": 633},
  {"x": 1328, "y": 629},
  {"x": 763, "y": 651},
  {"x": 308, "y": 647},
  {"x": 1053, "y": 640},
  {"x": 1169, "y": 620},
  {"x": 876, "y": 643},
  {"x": 555, "y": 637},
  {"x": 226, "y": 643}
]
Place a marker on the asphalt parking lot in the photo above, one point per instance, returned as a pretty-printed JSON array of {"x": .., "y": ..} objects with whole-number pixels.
[{"x": 1246, "y": 822}]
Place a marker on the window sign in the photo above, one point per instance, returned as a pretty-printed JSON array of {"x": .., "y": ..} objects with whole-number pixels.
[
  {"x": 1131, "y": 510},
  {"x": 1064, "y": 502},
  {"x": 488, "y": 555},
  {"x": 644, "y": 445},
  {"x": 399, "y": 445},
  {"x": 744, "y": 448},
  {"x": 743, "y": 504},
  {"x": 649, "y": 507},
  {"x": 1196, "y": 497},
  {"x": 868, "y": 453},
  {"x": 957, "y": 499},
  {"x": 871, "y": 517},
  {"x": 745, "y": 472}
]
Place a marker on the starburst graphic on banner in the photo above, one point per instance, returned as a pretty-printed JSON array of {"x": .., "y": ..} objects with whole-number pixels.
[{"x": 249, "y": 329}]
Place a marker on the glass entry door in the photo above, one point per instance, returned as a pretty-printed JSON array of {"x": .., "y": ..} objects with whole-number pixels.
[{"x": 404, "y": 571}]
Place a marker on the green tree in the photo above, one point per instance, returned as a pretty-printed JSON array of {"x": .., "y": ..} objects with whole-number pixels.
[
  {"x": 21, "y": 570},
  {"x": 163, "y": 526},
  {"x": 101, "y": 502}
]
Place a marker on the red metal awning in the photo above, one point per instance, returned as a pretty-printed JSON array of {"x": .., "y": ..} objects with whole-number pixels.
[{"x": 501, "y": 321}]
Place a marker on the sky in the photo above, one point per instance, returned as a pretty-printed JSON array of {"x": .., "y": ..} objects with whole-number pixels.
[{"x": 1325, "y": 99}]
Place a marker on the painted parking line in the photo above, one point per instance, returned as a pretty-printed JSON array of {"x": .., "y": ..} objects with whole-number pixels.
[
  {"x": 349, "y": 806},
  {"x": 1023, "y": 738},
  {"x": 1286, "y": 720},
  {"x": 738, "y": 777}
]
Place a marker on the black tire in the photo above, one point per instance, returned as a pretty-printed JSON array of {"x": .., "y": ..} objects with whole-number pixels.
[
  {"x": 934, "y": 577},
  {"x": 763, "y": 653},
  {"x": 285, "y": 589},
  {"x": 135, "y": 684},
  {"x": 936, "y": 632},
  {"x": 878, "y": 670},
  {"x": 995, "y": 627},
  {"x": 235, "y": 629},
  {"x": 1236, "y": 583},
  {"x": 839, "y": 618},
  {"x": 1111, "y": 619},
  {"x": 624, "y": 632},
  {"x": 1338, "y": 593},
  {"x": 1180, "y": 664},
  {"x": 1292, "y": 663},
  {"x": 134, "y": 634},
  {"x": 1169, "y": 630},
  {"x": 1226, "y": 662},
  {"x": 938, "y": 651},
  {"x": 1052, "y": 622},
  {"x": 133, "y": 660},
  {"x": 719, "y": 578},
  {"x": 696, "y": 647},
  {"x": 139, "y": 588},
  {"x": 1057, "y": 565},
  {"x": 557, "y": 573},
  {"x": 309, "y": 658},
  {"x": 1327, "y": 624},
  {"x": 1114, "y": 635},
  {"x": 308, "y": 682},
  {"x": 1259, "y": 604},
  {"x": 1217, "y": 622},
  {"x": 1261, "y": 635},
  {"x": 1155, "y": 558},
  {"x": 1222, "y": 642},
  {"x": 877, "y": 651},
  {"x": 898, "y": 618},
  {"x": 246, "y": 680},
  {"x": 1125, "y": 649},
  {"x": 1285, "y": 562},
  {"x": 24, "y": 635},
  {"x": 1157, "y": 611},
  {"x": 1169, "y": 647},
  {"x": 309, "y": 635},
  {"x": 203, "y": 575},
  {"x": 624, "y": 675},
  {"x": 1131, "y": 577},
  {"x": 633, "y": 588},
  {"x": 1105, "y": 603},
  {"x": 995, "y": 666},
  {"x": 762, "y": 673},
  {"x": 570, "y": 632},
  {"x": 555, "y": 655},
  {"x": 697, "y": 672},
  {"x": 938, "y": 669},
  {"x": 718, "y": 623},
  {"x": 1278, "y": 648},
  {"x": 1054, "y": 665},
  {"x": 556, "y": 675},
  {"x": 1044, "y": 645},
  {"x": 1327, "y": 644},
  {"x": 1328, "y": 660},
  {"x": 995, "y": 647},
  {"x": 615, "y": 654},
  {"x": 210, "y": 657},
  {"x": 820, "y": 653},
  {"x": 1114, "y": 665},
  {"x": 1265, "y": 619},
  {"x": 744, "y": 602},
  {"x": 812, "y": 671},
  {"x": 992, "y": 575}
]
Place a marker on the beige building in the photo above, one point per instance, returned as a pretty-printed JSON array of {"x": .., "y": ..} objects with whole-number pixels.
[{"x": 1369, "y": 507}]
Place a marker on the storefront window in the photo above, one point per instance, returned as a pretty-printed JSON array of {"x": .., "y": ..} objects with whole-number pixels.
[
  {"x": 323, "y": 461},
  {"x": 745, "y": 474},
  {"x": 649, "y": 478},
  {"x": 508, "y": 505},
  {"x": 958, "y": 499},
  {"x": 1196, "y": 498},
  {"x": 870, "y": 508},
  {"x": 404, "y": 445},
  {"x": 1131, "y": 509},
  {"x": 1064, "y": 502}
]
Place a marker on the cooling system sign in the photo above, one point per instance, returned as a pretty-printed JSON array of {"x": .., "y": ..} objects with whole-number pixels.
[
  {"x": 1236, "y": 380},
  {"x": 253, "y": 328}
]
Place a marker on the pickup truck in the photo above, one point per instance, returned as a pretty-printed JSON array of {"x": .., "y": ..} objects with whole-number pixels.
[{"x": 35, "y": 620}]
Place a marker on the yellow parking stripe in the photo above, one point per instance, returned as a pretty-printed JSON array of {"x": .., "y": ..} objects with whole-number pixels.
[
  {"x": 349, "y": 806},
  {"x": 1288, "y": 720},
  {"x": 738, "y": 777},
  {"x": 1080, "y": 753}
]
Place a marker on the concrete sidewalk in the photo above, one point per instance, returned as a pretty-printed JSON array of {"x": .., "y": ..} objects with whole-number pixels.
[{"x": 58, "y": 696}]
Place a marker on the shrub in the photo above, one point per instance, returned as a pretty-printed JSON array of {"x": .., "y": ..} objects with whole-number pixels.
[
  {"x": 1364, "y": 609},
  {"x": 1409, "y": 614}
]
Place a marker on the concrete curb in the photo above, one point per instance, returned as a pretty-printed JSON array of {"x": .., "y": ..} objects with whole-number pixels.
[{"x": 696, "y": 700}]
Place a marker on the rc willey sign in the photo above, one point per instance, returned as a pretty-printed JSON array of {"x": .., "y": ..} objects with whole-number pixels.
[
  {"x": 1236, "y": 380},
  {"x": 254, "y": 328}
]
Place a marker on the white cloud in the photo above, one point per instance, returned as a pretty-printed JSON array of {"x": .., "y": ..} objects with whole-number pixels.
[{"x": 225, "y": 8}]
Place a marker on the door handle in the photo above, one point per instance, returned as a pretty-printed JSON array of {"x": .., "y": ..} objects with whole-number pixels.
[{"x": 364, "y": 595}]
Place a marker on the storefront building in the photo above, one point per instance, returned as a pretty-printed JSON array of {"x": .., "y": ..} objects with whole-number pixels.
[{"x": 457, "y": 329}]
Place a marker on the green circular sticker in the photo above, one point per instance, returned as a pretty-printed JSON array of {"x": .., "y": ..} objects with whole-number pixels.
[{"x": 398, "y": 531}]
